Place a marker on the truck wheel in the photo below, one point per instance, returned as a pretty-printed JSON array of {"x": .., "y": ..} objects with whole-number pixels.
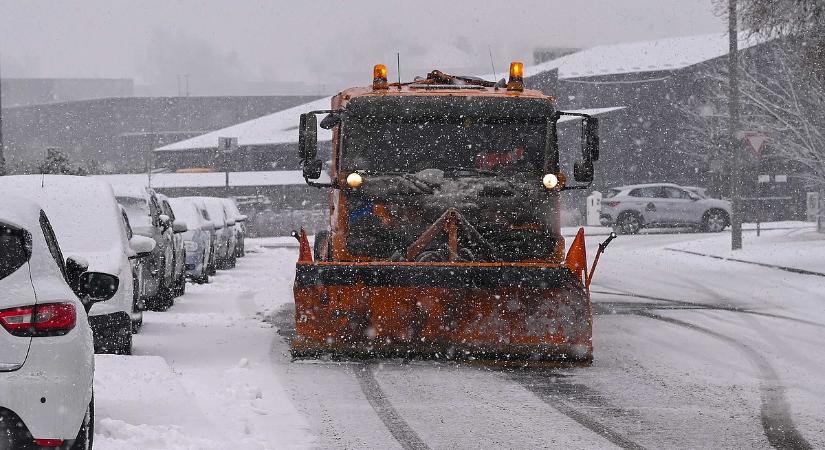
[
  {"x": 715, "y": 220},
  {"x": 320, "y": 238},
  {"x": 628, "y": 223},
  {"x": 86, "y": 435}
]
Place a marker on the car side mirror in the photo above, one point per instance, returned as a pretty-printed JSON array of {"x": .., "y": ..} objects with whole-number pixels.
[
  {"x": 230, "y": 223},
  {"x": 217, "y": 226},
  {"x": 179, "y": 226},
  {"x": 164, "y": 220},
  {"x": 96, "y": 287},
  {"x": 142, "y": 246}
]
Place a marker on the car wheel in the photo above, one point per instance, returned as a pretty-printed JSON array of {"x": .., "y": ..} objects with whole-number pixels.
[
  {"x": 714, "y": 221},
  {"x": 125, "y": 344},
  {"x": 86, "y": 435},
  {"x": 181, "y": 285},
  {"x": 628, "y": 223},
  {"x": 137, "y": 324}
]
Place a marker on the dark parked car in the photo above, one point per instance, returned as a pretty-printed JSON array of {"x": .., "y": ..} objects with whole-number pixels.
[{"x": 147, "y": 219}]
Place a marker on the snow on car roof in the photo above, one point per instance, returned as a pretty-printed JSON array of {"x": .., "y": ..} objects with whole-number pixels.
[
  {"x": 82, "y": 210},
  {"x": 212, "y": 179},
  {"x": 20, "y": 212},
  {"x": 644, "y": 56},
  {"x": 643, "y": 185}
]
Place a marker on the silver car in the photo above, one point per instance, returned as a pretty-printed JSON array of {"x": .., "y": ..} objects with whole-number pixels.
[{"x": 630, "y": 208}]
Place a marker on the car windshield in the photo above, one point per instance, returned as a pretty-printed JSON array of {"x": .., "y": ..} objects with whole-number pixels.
[
  {"x": 137, "y": 209},
  {"x": 612, "y": 193},
  {"x": 185, "y": 211}
]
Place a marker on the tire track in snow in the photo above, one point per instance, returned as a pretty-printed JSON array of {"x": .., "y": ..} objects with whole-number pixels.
[
  {"x": 598, "y": 307},
  {"x": 774, "y": 411},
  {"x": 553, "y": 389},
  {"x": 396, "y": 425}
]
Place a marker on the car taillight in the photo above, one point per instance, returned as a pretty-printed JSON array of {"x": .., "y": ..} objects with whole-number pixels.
[
  {"x": 51, "y": 319},
  {"x": 612, "y": 203}
]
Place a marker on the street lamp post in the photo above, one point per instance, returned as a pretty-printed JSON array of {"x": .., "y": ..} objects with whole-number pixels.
[{"x": 733, "y": 131}]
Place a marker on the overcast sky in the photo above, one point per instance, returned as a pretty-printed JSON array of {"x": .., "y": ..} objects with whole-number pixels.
[{"x": 320, "y": 42}]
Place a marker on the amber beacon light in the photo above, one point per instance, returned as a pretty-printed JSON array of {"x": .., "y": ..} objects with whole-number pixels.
[
  {"x": 516, "y": 82},
  {"x": 379, "y": 77}
]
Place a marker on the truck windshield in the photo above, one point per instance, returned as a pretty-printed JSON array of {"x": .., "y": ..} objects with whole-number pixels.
[{"x": 411, "y": 146}]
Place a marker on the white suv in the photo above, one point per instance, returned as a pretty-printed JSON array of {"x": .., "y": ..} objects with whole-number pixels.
[
  {"x": 46, "y": 350},
  {"x": 630, "y": 208}
]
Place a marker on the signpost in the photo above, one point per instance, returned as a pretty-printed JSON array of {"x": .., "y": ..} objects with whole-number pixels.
[{"x": 227, "y": 146}]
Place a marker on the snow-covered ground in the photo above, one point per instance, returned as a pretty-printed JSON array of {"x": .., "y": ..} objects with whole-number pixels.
[
  {"x": 690, "y": 352},
  {"x": 202, "y": 376}
]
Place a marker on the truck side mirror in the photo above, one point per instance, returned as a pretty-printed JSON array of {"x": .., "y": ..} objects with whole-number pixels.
[
  {"x": 308, "y": 137},
  {"x": 312, "y": 169},
  {"x": 583, "y": 170},
  {"x": 590, "y": 138}
]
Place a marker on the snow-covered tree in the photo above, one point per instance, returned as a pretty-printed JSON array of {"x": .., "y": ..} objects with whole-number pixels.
[
  {"x": 786, "y": 103},
  {"x": 56, "y": 162}
]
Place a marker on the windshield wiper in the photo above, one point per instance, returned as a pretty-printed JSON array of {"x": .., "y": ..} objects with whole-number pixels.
[{"x": 456, "y": 169}]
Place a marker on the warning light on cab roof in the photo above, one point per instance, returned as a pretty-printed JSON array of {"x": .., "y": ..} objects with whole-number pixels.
[
  {"x": 379, "y": 77},
  {"x": 516, "y": 82}
]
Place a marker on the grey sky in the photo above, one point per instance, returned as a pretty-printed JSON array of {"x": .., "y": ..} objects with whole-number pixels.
[{"x": 326, "y": 42}]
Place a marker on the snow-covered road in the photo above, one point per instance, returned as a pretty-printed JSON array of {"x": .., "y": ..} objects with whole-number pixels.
[{"x": 690, "y": 352}]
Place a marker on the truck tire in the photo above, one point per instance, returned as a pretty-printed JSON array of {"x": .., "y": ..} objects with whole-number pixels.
[{"x": 320, "y": 238}]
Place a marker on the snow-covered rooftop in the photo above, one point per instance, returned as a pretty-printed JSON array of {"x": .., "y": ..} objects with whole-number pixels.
[
  {"x": 644, "y": 56},
  {"x": 282, "y": 128},
  {"x": 213, "y": 179}
]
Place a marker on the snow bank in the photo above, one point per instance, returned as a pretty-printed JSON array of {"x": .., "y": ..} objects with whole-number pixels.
[{"x": 798, "y": 247}]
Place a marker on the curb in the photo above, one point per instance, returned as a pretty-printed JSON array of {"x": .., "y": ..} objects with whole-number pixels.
[{"x": 771, "y": 266}]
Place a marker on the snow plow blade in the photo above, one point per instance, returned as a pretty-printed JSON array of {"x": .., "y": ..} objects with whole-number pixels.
[{"x": 488, "y": 311}]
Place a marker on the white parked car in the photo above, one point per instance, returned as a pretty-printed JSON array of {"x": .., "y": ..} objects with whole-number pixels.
[
  {"x": 630, "y": 208},
  {"x": 197, "y": 239},
  {"x": 89, "y": 225},
  {"x": 225, "y": 232},
  {"x": 46, "y": 344}
]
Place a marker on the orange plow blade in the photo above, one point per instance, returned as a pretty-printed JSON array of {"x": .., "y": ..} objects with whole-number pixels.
[{"x": 463, "y": 311}]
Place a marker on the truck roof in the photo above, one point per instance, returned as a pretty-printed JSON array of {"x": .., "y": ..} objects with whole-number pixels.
[{"x": 412, "y": 89}]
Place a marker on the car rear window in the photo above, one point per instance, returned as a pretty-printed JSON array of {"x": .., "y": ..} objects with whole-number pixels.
[
  {"x": 612, "y": 193},
  {"x": 138, "y": 211},
  {"x": 15, "y": 249}
]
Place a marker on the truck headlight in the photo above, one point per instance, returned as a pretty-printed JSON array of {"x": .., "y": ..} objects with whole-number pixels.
[{"x": 550, "y": 181}]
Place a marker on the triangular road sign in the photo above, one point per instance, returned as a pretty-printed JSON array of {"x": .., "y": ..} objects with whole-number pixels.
[{"x": 756, "y": 141}]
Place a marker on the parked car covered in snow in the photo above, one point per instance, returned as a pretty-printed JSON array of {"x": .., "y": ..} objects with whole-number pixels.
[
  {"x": 232, "y": 211},
  {"x": 630, "y": 208},
  {"x": 178, "y": 251},
  {"x": 147, "y": 219},
  {"x": 88, "y": 224},
  {"x": 225, "y": 232},
  {"x": 46, "y": 344},
  {"x": 197, "y": 239}
]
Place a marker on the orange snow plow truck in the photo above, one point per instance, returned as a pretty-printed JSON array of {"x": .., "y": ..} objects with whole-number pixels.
[{"x": 444, "y": 234}]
